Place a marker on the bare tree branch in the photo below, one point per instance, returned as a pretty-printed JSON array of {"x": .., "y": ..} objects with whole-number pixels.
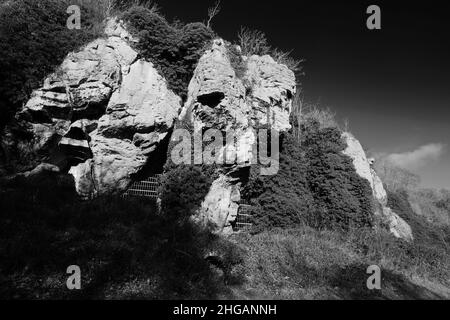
[{"x": 212, "y": 12}]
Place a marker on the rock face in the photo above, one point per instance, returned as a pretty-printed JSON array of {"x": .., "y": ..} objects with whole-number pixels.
[
  {"x": 104, "y": 111},
  {"x": 363, "y": 166},
  {"x": 219, "y": 99}
]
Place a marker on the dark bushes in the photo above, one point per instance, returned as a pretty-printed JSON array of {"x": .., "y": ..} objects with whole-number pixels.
[
  {"x": 316, "y": 184},
  {"x": 340, "y": 193},
  {"x": 281, "y": 200},
  {"x": 184, "y": 186},
  {"x": 174, "y": 49},
  {"x": 125, "y": 248}
]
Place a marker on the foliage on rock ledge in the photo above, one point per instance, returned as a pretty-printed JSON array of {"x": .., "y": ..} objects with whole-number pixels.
[
  {"x": 184, "y": 186},
  {"x": 173, "y": 48}
]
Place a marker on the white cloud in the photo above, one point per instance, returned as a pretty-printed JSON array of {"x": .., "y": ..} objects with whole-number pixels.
[{"x": 417, "y": 158}]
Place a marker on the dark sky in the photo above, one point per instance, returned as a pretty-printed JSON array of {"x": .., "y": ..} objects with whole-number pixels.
[{"x": 393, "y": 84}]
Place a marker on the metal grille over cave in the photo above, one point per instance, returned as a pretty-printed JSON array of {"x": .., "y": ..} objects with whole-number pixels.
[
  {"x": 145, "y": 188},
  {"x": 244, "y": 218}
]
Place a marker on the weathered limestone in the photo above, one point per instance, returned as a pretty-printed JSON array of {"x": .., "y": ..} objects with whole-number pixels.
[
  {"x": 221, "y": 204},
  {"x": 397, "y": 226},
  {"x": 272, "y": 90},
  {"x": 138, "y": 117},
  {"x": 218, "y": 99},
  {"x": 104, "y": 109}
]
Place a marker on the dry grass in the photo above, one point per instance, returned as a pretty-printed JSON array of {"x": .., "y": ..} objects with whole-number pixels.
[
  {"x": 303, "y": 114},
  {"x": 254, "y": 42},
  {"x": 305, "y": 263}
]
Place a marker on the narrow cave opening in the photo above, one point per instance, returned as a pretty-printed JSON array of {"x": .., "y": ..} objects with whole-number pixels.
[
  {"x": 156, "y": 160},
  {"x": 212, "y": 99}
]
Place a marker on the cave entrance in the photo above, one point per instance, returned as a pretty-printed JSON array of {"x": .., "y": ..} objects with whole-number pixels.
[
  {"x": 244, "y": 218},
  {"x": 147, "y": 188},
  {"x": 212, "y": 99},
  {"x": 147, "y": 182}
]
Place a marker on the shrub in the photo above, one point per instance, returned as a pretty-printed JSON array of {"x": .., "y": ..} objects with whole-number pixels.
[
  {"x": 304, "y": 115},
  {"x": 174, "y": 49},
  {"x": 183, "y": 189},
  {"x": 284, "y": 199},
  {"x": 324, "y": 117},
  {"x": 184, "y": 186},
  {"x": 343, "y": 196},
  {"x": 316, "y": 184},
  {"x": 254, "y": 42},
  {"x": 288, "y": 60}
]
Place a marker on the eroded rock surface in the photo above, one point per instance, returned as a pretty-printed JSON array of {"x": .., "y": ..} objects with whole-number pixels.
[
  {"x": 397, "y": 226},
  {"x": 102, "y": 113},
  {"x": 138, "y": 117},
  {"x": 219, "y": 99}
]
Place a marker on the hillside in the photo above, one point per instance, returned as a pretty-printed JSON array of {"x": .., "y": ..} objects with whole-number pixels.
[{"x": 222, "y": 123}]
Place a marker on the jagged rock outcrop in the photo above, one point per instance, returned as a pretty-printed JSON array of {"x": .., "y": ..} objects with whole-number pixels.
[
  {"x": 139, "y": 116},
  {"x": 272, "y": 88},
  {"x": 104, "y": 111},
  {"x": 363, "y": 166},
  {"x": 219, "y": 99}
]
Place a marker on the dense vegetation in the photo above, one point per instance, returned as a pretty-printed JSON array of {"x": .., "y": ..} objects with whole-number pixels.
[
  {"x": 184, "y": 186},
  {"x": 173, "y": 48},
  {"x": 316, "y": 183},
  {"x": 125, "y": 248}
]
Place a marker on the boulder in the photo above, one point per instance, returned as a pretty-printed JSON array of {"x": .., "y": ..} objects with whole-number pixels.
[
  {"x": 397, "y": 226},
  {"x": 221, "y": 205}
]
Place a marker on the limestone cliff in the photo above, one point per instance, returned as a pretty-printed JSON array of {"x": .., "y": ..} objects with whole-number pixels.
[
  {"x": 106, "y": 111},
  {"x": 219, "y": 99}
]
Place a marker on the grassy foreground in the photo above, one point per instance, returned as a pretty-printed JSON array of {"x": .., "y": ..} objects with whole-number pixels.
[
  {"x": 126, "y": 250},
  {"x": 305, "y": 263}
]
